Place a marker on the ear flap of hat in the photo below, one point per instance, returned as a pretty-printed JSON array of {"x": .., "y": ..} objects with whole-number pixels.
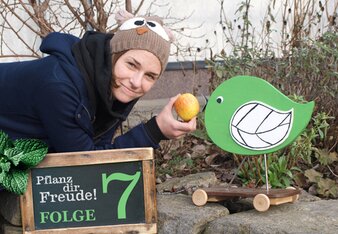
[
  {"x": 170, "y": 34},
  {"x": 122, "y": 16}
]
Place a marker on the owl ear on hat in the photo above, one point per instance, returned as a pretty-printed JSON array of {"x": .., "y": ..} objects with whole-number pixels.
[
  {"x": 122, "y": 16},
  {"x": 170, "y": 34}
]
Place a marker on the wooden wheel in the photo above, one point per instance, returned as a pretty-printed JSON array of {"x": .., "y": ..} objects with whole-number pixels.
[
  {"x": 199, "y": 197},
  {"x": 261, "y": 202},
  {"x": 295, "y": 197}
]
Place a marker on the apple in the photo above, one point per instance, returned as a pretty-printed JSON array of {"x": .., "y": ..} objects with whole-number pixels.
[{"x": 186, "y": 106}]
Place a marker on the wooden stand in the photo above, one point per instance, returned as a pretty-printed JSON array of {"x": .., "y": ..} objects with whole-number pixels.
[
  {"x": 262, "y": 198},
  {"x": 89, "y": 169}
]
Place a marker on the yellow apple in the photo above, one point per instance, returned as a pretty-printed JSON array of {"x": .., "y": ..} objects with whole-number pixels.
[{"x": 186, "y": 106}]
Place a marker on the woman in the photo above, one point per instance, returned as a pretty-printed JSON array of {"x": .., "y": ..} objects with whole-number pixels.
[{"x": 75, "y": 98}]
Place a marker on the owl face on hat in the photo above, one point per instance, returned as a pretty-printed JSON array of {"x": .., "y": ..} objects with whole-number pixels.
[
  {"x": 142, "y": 33},
  {"x": 142, "y": 25}
]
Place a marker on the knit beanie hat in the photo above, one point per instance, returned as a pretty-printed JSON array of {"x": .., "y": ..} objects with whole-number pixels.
[{"x": 144, "y": 33}]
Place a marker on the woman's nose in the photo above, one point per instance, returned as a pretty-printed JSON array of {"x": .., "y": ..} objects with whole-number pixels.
[{"x": 136, "y": 80}]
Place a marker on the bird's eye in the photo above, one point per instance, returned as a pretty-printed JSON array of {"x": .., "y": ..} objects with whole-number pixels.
[
  {"x": 158, "y": 29},
  {"x": 139, "y": 22},
  {"x": 219, "y": 99},
  {"x": 151, "y": 24},
  {"x": 133, "y": 23}
]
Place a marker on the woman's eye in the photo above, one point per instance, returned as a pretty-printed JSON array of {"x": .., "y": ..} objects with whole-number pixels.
[
  {"x": 219, "y": 99},
  {"x": 150, "y": 77},
  {"x": 131, "y": 64}
]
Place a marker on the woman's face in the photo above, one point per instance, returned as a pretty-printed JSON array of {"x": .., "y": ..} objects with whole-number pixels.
[{"x": 135, "y": 73}]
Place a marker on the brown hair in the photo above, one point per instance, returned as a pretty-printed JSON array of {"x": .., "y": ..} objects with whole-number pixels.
[{"x": 115, "y": 57}]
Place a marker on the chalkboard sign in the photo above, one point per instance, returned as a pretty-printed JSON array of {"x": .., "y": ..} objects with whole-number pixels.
[{"x": 92, "y": 192}]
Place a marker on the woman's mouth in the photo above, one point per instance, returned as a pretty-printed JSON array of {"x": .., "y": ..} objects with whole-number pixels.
[{"x": 129, "y": 91}]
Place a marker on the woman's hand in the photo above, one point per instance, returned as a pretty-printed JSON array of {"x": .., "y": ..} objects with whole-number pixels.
[{"x": 171, "y": 127}]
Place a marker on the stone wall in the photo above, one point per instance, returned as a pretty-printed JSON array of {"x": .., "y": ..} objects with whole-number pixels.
[
  {"x": 182, "y": 77},
  {"x": 10, "y": 215}
]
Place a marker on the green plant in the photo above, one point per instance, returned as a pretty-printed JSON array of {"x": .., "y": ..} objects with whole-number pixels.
[
  {"x": 320, "y": 122},
  {"x": 279, "y": 174},
  {"x": 304, "y": 147},
  {"x": 174, "y": 164},
  {"x": 179, "y": 162},
  {"x": 16, "y": 157},
  {"x": 251, "y": 172}
]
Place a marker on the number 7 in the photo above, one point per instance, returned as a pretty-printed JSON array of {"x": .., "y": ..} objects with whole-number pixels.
[{"x": 121, "y": 207}]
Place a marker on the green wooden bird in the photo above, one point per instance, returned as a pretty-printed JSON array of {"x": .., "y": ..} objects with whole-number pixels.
[{"x": 247, "y": 115}]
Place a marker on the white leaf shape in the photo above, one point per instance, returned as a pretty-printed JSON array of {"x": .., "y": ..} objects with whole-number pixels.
[
  {"x": 158, "y": 29},
  {"x": 258, "y": 126},
  {"x": 133, "y": 23}
]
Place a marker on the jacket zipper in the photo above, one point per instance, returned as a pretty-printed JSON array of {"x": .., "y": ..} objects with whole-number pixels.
[
  {"x": 105, "y": 131},
  {"x": 90, "y": 117}
]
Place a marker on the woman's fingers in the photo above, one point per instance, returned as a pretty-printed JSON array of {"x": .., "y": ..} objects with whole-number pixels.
[
  {"x": 172, "y": 101},
  {"x": 181, "y": 128},
  {"x": 171, "y": 127}
]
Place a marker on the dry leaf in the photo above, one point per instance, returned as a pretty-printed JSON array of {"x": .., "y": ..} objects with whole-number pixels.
[{"x": 313, "y": 175}]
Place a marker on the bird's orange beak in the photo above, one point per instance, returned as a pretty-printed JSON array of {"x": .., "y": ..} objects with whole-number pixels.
[{"x": 142, "y": 30}]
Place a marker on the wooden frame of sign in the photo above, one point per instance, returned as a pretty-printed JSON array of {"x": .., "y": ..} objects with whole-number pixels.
[{"x": 66, "y": 193}]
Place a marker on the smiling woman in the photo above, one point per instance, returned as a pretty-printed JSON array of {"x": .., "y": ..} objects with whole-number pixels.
[
  {"x": 75, "y": 98},
  {"x": 135, "y": 73}
]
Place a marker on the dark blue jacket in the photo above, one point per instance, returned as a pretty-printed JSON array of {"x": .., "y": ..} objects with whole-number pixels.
[{"x": 47, "y": 99}]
